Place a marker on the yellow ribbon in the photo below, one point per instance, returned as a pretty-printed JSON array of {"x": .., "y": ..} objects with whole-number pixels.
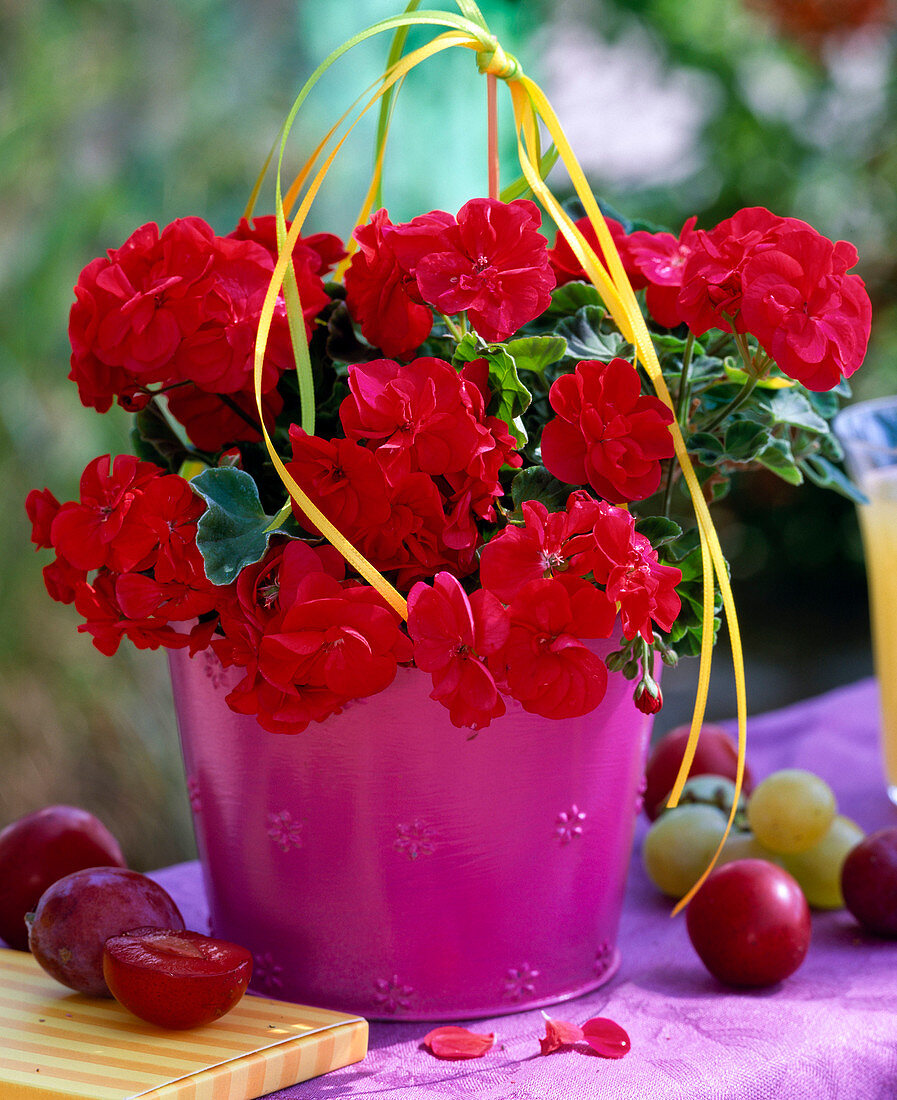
[{"x": 530, "y": 107}]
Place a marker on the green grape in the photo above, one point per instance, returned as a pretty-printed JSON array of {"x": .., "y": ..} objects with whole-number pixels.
[
  {"x": 745, "y": 846},
  {"x": 818, "y": 870},
  {"x": 791, "y": 810},
  {"x": 680, "y": 845},
  {"x": 712, "y": 790}
]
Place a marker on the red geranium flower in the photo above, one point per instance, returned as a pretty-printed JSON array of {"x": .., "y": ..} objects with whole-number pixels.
[
  {"x": 541, "y": 548},
  {"x": 99, "y": 529},
  {"x": 493, "y": 264},
  {"x": 147, "y": 295},
  {"x": 786, "y": 284},
  {"x": 213, "y": 421},
  {"x": 342, "y": 478},
  {"x": 107, "y": 623},
  {"x": 169, "y": 509},
  {"x": 331, "y": 645},
  {"x": 567, "y": 268},
  {"x": 452, "y": 633},
  {"x": 308, "y": 643},
  {"x": 606, "y": 433},
  {"x": 381, "y": 292},
  {"x": 41, "y": 506},
  {"x": 626, "y": 563},
  {"x": 144, "y": 598},
  {"x": 133, "y": 307},
  {"x": 544, "y": 662},
  {"x": 319, "y": 252},
  {"x": 660, "y": 257},
  {"x": 712, "y": 279},
  {"x": 180, "y": 306},
  {"x": 416, "y": 414},
  {"x": 810, "y": 316},
  {"x": 219, "y": 355},
  {"x": 418, "y": 539}
]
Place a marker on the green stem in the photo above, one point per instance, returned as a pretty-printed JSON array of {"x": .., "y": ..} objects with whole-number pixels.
[
  {"x": 681, "y": 405},
  {"x": 457, "y": 331},
  {"x": 737, "y": 401},
  {"x": 683, "y": 378},
  {"x": 235, "y": 408},
  {"x": 755, "y": 373}
]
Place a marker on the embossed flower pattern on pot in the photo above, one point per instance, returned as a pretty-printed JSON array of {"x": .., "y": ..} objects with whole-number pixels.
[
  {"x": 414, "y": 839},
  {"x": 604, "y": 957},
  {"x": 284, "y": 830},
  {"x": 391, "y": 994},
  {"x": 640, "y": 794},
  {"x": 520, "y": 982},
  {"x": 213, "y": 668},
  {"x": 266, "y": 972},
  {"x": 570, "y": 824},
  {"x": 193, "y": 794}
]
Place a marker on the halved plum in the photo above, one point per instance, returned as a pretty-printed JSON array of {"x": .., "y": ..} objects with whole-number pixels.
[{"x": 175, "y": 978}]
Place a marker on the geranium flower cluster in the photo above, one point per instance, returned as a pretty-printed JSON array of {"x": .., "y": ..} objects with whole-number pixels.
[
  {"x": 755, "y": 273},
  {"x": 483, "y": 437},
  {"x": 126, "y": 554},
  {"x": 177, "y": 312}
]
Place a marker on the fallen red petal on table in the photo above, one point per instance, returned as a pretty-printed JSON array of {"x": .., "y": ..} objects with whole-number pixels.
[
  {"x": 559, "y": 1033},
  {"x": 606, "y": 1037},
  {"x": 457, "y": 1042}
]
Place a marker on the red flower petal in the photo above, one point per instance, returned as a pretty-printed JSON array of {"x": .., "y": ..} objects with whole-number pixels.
[
  {"x": 606, "y": 1037},
  {"x": 559, "y": 1033},
  {"x": 456, "y": 1043}
]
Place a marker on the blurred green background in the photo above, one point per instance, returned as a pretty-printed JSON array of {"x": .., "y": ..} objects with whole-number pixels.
[{"x": 118, "y": 112}]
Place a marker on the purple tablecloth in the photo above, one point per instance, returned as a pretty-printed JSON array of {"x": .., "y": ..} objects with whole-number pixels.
[{"x": 829, "y": 1031}]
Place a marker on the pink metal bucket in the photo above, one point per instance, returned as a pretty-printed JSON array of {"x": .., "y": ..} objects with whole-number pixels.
[{"x": 386, "y": 863}]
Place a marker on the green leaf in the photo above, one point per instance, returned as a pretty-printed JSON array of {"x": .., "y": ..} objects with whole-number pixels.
[
  {"x": 826, "y": 404},
  {"x": 704, "y": 369},
  {"x": 825, "y": 474},
  {"x": 234, "y": 530},
  {"x": 573, "y": 296},
  {"x": 584, "y": 337},
  {"x": 744, "y": 439},
  {"x": 658, "y": 530},
  {"x": 520, "y": 188},
  {"x": 467, "y": 350},
  {"x": 706, "y": 448},
  {"x": 154, "y": 439},
  {"x": 510, "y": 398},
  {"x": 665, "y": 342},
  {"x": 536, "y": 483},
  {"x": 791, "y": 407},
  {"x": 537, "y": 352},
  {"x": 777, "y": 457}
]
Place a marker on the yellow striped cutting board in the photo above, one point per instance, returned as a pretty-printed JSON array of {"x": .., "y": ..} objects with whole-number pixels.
[{"x": 56, "y": 1044}]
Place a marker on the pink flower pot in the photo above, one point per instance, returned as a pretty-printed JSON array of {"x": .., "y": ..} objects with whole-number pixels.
[{"x": 386, "y": 863}]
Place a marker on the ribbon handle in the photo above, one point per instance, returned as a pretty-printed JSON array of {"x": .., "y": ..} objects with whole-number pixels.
[{"x": 531, "y": 108}]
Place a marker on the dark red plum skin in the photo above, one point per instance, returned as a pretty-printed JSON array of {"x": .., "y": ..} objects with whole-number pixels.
[
  {"x": 749, "y": 923},
  {"x": 869, "y": 882},
  {"x": 78, "y": 913},
  {"x": 41, "y": 848},
  {"x": 716, "y": 754}
]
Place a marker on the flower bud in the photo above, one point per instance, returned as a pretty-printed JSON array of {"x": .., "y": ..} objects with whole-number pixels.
[
  {"x": 648, "y": 697},
  {"x": 616, "y": 660}
]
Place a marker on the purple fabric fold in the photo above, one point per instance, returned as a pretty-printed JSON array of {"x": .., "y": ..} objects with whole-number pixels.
[{"x": 828, "y": 1033}]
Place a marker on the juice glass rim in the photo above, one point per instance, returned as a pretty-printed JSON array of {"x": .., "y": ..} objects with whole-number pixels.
[{"x": 846, "y": 421}]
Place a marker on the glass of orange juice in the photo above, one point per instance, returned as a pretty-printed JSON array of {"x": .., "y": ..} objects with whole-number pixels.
[{"x": 868, "y": 433}]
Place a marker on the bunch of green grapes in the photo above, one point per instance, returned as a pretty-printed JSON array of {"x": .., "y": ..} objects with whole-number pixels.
[{"x": 790, "y": 819}]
